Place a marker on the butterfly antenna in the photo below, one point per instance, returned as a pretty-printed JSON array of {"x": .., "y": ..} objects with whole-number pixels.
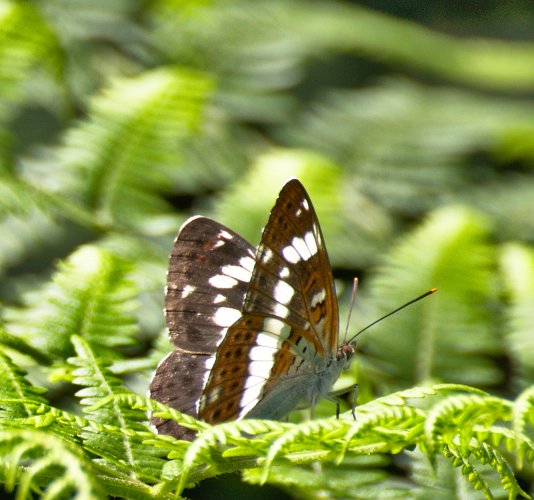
[
  {"x": 426, "y": 294},
  {"x": 352, "y": 299}
]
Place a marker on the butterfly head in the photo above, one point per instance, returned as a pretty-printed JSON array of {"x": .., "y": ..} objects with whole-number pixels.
[{"x": 346, "y": 351}]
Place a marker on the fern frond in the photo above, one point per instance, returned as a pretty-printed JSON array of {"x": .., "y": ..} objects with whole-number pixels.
[
  {"x": 15, "y": 198},
  {"x": 24, "y": 235},
  {"x": 26, "y": 42},
  {"x": 456, "y": 415},
  {"x": 120, "y": 162},
  {"x": 254, "y": 192},
  {"x": 468, "y": 469},
  {"x": 519, "y": 444},
  {"x": 26, "y": 414},
  {"x": 389, "y": 430},
  {"x": 353, "y": 478},
  {"x": 449, "y": 335},
  {"x": 485, "y": 454},
  {"x": 14, "y": 343},
  {"x": 523, "y": 414},
  {"x": 463, "y": 423},
  {"x": 298, "y": 441},
  {"x": 40, "y": 462},
  {"x": 517, "y": 262},
  {"x": 234, "y": 434},
  {"x": 505, "y": 201},
  {"x": 161, "y": 410},
  {"x": 15, "y": 385},
  {"x": 32, "y": 218},
  {"x": 404, "y": 146},
  {"x": 125, "y": 449},
  {"x": 90, "y": 295},
  {"x": 350, "y": 239},
  {"x": 384, "y": 426},
  {"x": 422, "y": 392}
]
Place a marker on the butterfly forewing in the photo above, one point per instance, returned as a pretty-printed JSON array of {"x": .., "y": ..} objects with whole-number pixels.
[
  {"x": 289, "y": 322},
  {"x": 209, "y": 271},
  {"x": 210, "y": 267},
  {"x": 292, "y": 278}
]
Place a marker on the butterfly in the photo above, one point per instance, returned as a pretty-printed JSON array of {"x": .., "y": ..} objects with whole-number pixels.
[{"x": 255, "y": 331}]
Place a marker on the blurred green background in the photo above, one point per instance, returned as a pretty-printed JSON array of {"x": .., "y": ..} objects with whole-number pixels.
[{"x": 411, "y": 124}]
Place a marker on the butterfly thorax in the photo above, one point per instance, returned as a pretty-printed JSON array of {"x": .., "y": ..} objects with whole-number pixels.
[{"x": 326, "y": 378}]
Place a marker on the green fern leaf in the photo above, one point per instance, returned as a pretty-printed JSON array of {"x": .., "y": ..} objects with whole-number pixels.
[
  {"x": 18, "y": 344},
  {"x": 468, "y": 470},
  {"x": 353, "y": 478},
  {"x": 449, "y": 335},
  {"x": 493, "y": 457},
  {"x": 25, "y": 235},
  {"x": 403, "y": 144},
  {"x": 26, "y": 42},
  {"x": 255, "y": 192},
  {"x": 456, "y": 415},
  {"x": 160, "y": 410},
  {"x": 446, "y": 481},
  {"x": 350, "y": 239},
  {"x": 90, "y": 296},
  {"x": 523, "y": 414},
  {"x": 518, "y": 272},
  {"x": 40, "y": 462},
  {"x": 22, "y": 406},
  {"x": 236, "y": 434},
  {"x": 32, "y": 220},
  {"x": 422, "y": 392},
  {"x": 18, "y": 396},
  {"x": 512, "y": 441},
  {"x": 485, "y": 454},
  {"x": 15, "y": 197},
  {"x": 126, "y": 427},
  {"x": 120, "y": 161}
]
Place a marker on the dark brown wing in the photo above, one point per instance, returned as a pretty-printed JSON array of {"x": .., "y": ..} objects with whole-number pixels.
[{"x": 210, "y": 267}]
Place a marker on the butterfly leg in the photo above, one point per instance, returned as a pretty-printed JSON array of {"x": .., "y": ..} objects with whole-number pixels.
[
  {"x": 335, "y": 397},
  {"x": 312, "y": 406}
]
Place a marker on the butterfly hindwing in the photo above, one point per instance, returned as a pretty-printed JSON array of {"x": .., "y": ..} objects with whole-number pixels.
[{"x": 176, "y": 383}]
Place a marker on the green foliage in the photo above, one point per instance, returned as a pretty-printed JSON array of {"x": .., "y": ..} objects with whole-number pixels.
[
  {"x": 518, "y": 274},
  {"x": 119, "y": 120},
  {"x": 53, "y": 462},
  {"x": 26, "y": 43},
  {"x": 90, "y": 296},
  {"x": 453, "y": 331},
  {"x": 98, "y": 385}
]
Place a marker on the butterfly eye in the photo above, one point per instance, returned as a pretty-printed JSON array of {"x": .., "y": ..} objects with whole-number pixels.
[{"x": 345, "y": 351}]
